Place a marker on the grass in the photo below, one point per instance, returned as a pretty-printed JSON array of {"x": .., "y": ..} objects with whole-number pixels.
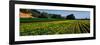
[{"x": 54, "y": 27}]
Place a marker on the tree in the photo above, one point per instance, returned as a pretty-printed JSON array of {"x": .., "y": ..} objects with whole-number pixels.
[
  {"x": 71, "y": 16},
  {"x": 35, "y": 13},
  {"x": 55, "y": 16},
  {"x": 43, "y": 15}
]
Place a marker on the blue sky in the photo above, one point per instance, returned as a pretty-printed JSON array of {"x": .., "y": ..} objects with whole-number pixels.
[{"x": 77, "y": 14}]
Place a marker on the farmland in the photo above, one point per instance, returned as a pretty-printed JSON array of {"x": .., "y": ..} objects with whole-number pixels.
[
  {"x": 51, "y": 27},
  {"x": 52, "y": 22}
]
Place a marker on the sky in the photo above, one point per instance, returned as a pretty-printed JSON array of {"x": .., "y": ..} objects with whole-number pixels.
[{"x": 77, "y": 14}]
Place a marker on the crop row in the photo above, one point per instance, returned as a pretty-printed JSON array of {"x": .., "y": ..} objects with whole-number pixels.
[{"x": 55, "y": 27}]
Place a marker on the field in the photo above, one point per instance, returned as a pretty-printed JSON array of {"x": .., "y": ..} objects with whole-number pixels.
[{"x": 51, "y": 27}]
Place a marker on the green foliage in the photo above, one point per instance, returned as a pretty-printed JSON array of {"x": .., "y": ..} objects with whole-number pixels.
[
  {"x": 71, "y": 16},
  {"x": 55, "y": 27},
  {"x": 56, "y": 16},
  {"x": 43, "y": 15}
]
